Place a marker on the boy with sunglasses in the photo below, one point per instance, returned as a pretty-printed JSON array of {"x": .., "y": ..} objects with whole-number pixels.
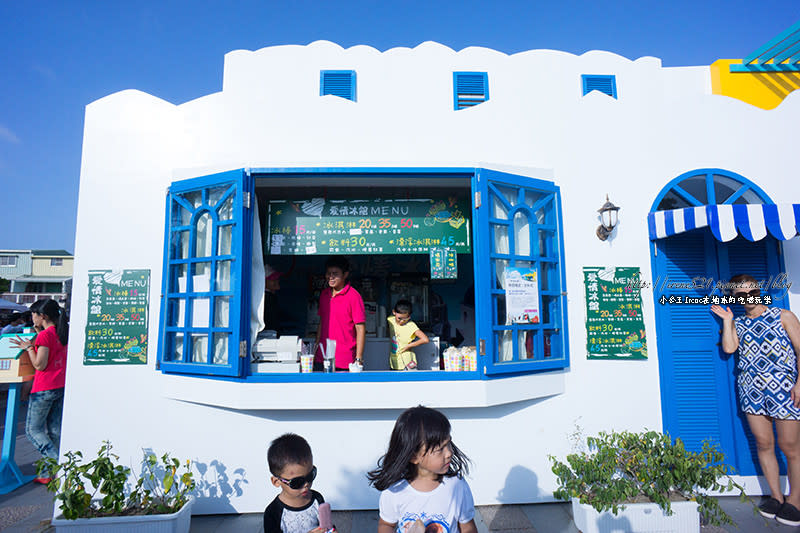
[
  {"x": 768, "y": 341},
  {"x": 296, "y": 508}
]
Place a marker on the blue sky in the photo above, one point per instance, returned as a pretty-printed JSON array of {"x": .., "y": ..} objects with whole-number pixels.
[{"x": 58, "y": 56}]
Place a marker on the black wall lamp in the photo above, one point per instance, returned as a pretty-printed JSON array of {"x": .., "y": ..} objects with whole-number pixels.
[{"x": 609, "y": 217}]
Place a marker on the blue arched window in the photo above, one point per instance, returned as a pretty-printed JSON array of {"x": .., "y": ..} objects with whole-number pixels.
[{"x": 709, "y": 186}]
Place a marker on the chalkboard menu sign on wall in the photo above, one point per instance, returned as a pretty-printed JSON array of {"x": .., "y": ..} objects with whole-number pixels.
[
  {"x": 614, "y": 325},
  {"x": 116, "y": 326},
  {"x": 400, "y": 226}
]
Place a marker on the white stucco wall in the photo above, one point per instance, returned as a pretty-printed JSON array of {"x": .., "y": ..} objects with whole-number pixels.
[{"x": 269, "y": 114}]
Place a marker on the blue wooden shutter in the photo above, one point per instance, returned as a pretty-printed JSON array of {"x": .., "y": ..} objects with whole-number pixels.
[
  {"x": 341, "y": 83},
  {"x": 606, "y": 84},
  {"x": 206, "y": 279},
  {"x": 518, "y": 225},
  {"x": 695, "y": 392},
  {"x": 469, "y": 89}
]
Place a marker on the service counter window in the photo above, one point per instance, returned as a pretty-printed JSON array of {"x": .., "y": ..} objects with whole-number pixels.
[{"x": 478, "y": 253}]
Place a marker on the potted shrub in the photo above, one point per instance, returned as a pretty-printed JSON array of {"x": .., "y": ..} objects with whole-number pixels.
[
  {"x": 92, "y": 495},
  {"x": 643, "y": 482}
]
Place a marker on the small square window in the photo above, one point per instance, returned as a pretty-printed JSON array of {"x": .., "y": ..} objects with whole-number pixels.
[
  {"x": 470, "y": 89},
  {"x": 56, "y": 262},
  {"x": 341, "y": 83},
  {"x": 8, "y": 260},
  {"x": 605, "y": 83}
]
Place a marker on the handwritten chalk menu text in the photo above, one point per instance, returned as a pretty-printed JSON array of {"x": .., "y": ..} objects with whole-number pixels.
[
  {"x": 116, "y": 327},
  {"x": 322, "y": 226},
  {"x": 444, "y": 263},
  {"x": 614, "y": 324}
]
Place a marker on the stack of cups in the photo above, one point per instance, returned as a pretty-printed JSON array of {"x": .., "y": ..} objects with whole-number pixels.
[
  {"x": 470, "y": 359},
  {"x": 307, "y": 363},
  {"x": 452, "y": 359}
]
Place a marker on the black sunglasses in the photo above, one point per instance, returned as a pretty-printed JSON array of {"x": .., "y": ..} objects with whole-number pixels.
[
  {"x": 754, "y": 292},
  {"x": 300, "y": 481}
]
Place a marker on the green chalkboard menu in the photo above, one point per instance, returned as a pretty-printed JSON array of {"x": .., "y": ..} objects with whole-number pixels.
[
  {"x": 614, "y": 325},
  {"x": 322, "y": 226},
  {"x": 116, "y": 326}
]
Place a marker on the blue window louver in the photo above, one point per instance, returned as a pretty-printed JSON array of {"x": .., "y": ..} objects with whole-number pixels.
[
  {"x": 341, "y": 83},
  {"x": 469, "y": 89},
  {"x": 606, "y": 84}
]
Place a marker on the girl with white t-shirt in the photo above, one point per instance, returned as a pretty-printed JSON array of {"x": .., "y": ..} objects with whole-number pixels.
[{"x": 420, "y": 478}]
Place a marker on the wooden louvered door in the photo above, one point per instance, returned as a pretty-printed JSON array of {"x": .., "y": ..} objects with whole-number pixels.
[
  {"x": 698, "y": 384},
  {"x": 695, "y": 383}
]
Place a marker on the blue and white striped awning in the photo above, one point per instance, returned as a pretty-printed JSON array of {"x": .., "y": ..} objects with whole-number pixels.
[{"x": 726, "y": 221}]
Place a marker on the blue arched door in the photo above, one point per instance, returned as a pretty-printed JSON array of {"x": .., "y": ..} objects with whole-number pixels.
[{"x": 698, "y": 384}]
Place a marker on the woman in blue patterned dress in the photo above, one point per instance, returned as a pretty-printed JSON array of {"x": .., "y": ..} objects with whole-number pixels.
[{"x": 768, "y": 341}]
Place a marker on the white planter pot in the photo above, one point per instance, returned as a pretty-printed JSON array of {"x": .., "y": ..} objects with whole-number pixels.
[
  {"x": 637, "y": 518},
  {"x": 156, "y": 523}
]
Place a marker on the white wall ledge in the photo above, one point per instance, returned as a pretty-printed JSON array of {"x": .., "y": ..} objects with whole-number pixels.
[{"x": 361, "y": 395}]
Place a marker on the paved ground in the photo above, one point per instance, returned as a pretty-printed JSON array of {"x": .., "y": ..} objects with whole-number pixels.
[{"x": 29, "y": 508}]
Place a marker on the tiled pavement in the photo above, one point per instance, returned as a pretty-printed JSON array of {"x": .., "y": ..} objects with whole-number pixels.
[{"x": 29, "y": 508}]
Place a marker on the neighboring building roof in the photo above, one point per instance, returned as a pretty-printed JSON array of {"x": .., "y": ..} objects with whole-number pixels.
[
  {"x": 42, "y": 279},
  {"x": 51, "y": 253},
  {"x": 15, "y": 251}
]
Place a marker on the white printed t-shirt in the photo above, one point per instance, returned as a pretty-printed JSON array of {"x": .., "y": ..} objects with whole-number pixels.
[{"x": 440, "y": 510}]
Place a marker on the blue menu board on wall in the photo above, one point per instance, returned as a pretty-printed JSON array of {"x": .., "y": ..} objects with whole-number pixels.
[
  {"x": 116, "y": 325},
  {"x": 397, "y": 226}
]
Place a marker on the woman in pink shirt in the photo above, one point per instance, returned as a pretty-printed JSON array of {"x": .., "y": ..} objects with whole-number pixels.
[{"x": 48, "y": 353}]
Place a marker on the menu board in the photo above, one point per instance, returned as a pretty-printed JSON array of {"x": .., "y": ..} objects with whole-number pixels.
[
  {"x": 614, "y": 325},
  {"x": 116, "y": 326},
  {"x": 397, "y": 226},
  {"x": 444, "y": 263}
]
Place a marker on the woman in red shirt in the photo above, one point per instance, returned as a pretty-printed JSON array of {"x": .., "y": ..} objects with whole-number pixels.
[{"x": 48, "y": 353}]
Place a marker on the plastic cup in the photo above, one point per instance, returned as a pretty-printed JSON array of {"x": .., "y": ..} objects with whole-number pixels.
[{"x": 306, "y": 363}]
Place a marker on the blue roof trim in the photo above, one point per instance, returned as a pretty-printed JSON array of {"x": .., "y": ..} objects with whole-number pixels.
[
  {"x": 773, "y": 56},
  {"x": 456, "y": 172}
]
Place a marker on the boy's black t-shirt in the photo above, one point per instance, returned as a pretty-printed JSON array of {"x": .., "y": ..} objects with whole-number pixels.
[{"x": 281, "y": 518}]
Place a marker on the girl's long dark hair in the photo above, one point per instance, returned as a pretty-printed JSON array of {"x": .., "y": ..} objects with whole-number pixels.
[
  {"x": 54, "y": 314},
  {"x": 417, "y": 429}
]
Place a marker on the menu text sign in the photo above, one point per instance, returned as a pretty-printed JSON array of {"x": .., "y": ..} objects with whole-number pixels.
[
  {"x": 116, "y": 325},
  {"x": 444, "y": 263},
  {"x": 396, "y": 226},
  {"x": 614, "y": 324}
]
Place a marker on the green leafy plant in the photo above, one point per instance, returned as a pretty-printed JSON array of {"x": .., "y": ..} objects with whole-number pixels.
[
  {"x": 162, "y": 487},
  {"x": 625, "y": 467}
]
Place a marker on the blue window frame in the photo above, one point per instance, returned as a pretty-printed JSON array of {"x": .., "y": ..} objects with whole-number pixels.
[
  {"x": 605, "y": 83},
  {"x": 204, "y": 326},
  {"x": 709, "y": 186},
  {"x": 341, "y": 83},
  {"x": 469, "y": 89},
  {"x": 519, "y": 220}
]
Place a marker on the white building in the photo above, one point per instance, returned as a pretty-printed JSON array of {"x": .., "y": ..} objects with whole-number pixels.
[{"x": 396, "y": 132}]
